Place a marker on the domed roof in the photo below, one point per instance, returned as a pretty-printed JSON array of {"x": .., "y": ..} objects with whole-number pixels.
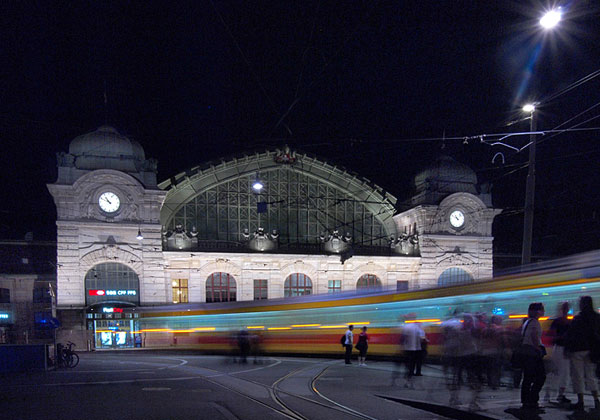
[
  {"x": 106, "y": 148},
  {"x": 443, "y": 177}
]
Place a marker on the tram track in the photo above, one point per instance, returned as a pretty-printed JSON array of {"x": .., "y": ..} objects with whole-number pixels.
[{"x": 277, "y": 393}]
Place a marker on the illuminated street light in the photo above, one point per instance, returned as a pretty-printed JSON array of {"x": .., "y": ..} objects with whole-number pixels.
[
  {"x": 551, "y": 18},
  {"x": 139, "y": 236},
  {"x": 529, "y": 189},
  {"x": 529, "y": 108}
]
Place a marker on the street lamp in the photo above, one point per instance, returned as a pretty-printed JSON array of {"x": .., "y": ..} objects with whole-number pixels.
[
  {"x": 551, "y": 18},
  {"x": 549, "y": 21},
  {"x": 529, "y": 188}
]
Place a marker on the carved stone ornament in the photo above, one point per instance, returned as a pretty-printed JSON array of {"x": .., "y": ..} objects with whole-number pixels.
[
  {"x": 261, "y": 240},
  {"x": 406, "y": 244},
  {"x": 285, "y": 156},
  {"x": 336, "y": 243},
  {"x": 110, "y": 251}
]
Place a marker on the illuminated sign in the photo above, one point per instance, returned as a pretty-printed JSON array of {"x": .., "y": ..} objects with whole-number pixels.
[
  {"x": 3, "y": 316},
  {"x": 100, "y": 292},
  {"x": 111, "y": 310}
]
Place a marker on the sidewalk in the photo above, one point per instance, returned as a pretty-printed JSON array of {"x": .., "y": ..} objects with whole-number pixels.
[{"x": 430, "y": 393}]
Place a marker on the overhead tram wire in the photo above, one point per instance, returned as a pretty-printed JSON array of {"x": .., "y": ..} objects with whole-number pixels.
[{"x": 572, "y": 86}]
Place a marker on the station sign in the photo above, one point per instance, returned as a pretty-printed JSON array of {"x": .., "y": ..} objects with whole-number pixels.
[
  {"x": 111, "y": 310},
  {"x": 112, "y": 292}
]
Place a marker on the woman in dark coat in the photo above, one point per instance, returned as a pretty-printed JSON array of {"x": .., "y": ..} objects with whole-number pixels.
[
  {"x": 582, "y": 341},
  {"x": 362, "y": 346}
]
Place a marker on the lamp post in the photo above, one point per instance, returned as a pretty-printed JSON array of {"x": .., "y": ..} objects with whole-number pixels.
[
  {"x": 548, "y": 21},
  {"x": 529, "y": 189}
]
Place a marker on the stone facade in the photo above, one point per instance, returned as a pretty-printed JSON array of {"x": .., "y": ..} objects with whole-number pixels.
[{"x": 424, "y": 242}]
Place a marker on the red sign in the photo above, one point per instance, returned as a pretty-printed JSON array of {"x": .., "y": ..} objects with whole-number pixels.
[
  {"x": 118, "y": 309},
  {"x": 94, "y": 292}
]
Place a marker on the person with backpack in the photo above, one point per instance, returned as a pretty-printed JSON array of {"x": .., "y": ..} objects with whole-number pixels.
[
  {"x": 348, "y": 343},
  {"x": 582, "y": 343}
]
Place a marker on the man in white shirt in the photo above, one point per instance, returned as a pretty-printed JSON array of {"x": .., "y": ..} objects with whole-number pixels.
[
  {"x": 348, "y": 344},
  {"x": 412, "y": 335}
]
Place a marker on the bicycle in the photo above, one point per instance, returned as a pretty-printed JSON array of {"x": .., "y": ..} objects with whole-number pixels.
[{"x": 67, "y": 356}]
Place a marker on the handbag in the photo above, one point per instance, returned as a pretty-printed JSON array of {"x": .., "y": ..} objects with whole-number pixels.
[{"x": 523, "y": 353}]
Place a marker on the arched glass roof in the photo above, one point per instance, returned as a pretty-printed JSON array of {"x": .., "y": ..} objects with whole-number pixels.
[{"x": 302, "y": 198}]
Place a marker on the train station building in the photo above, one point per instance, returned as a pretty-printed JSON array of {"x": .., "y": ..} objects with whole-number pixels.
[{"x": 265, "y": 225}]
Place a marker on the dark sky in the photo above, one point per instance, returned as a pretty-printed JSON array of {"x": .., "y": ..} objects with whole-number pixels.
[{"x": 361, "y": 83}]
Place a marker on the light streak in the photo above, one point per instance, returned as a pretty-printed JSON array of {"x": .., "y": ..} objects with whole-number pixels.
[
  {"x": 305, "y": 325},
  {"x": 413, "y": 321},
  {"x": 332, "y": 326}
]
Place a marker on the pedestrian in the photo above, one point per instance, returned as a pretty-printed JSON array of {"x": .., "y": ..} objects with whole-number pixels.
[
  {"x": 581, "y": 342},
  {"x": 534, "y": 373},
  {"x": 243, "y": 345},
  {"x": 492, "y": 350},
  {"x": 362, "y": 346},
  {"x": 470, "y": 359},
  {"x": 412, "y": 337},
  {"x": 348, "y": 344},
  {"x": 560, "y": 362}
]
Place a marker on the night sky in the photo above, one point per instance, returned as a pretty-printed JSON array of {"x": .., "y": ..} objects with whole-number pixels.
[{"x": 375, "y": 86}]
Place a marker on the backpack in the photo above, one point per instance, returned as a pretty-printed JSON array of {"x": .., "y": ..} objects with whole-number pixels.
[{"x": 343, "y": 340}]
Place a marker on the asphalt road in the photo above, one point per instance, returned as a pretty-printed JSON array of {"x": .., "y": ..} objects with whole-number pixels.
[{"x": 148, "y": 386}]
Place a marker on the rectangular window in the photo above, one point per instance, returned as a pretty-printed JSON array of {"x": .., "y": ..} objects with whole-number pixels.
[
  {"x": 180, "y": 290},
  {"x": 401, "y": 286},
  {"x": 41, "y": 295},
  {"x": 4, "y": 295},
  {"x": 334, "y": 286},
  {"x": 260, "y": 290}
]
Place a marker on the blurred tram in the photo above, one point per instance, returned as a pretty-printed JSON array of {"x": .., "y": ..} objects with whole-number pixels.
[{"x": 313, "y": 325}]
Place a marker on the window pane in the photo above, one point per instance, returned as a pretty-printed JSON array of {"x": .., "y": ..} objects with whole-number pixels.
[{"x": 220, "y": 287}]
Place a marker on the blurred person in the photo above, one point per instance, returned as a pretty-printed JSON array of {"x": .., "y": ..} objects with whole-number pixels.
[
  {"x": 256, "y": 346},
  {"x": 243, "y": 341},
  {"x": 469, "y": 358},
  {"x": 362, "y": 346},
  {"x": 412, "y": 337},
  {"x": 561, "y": 372},
  {"x": 492, "y": 351},
  {"x": 348, "y": 344},
  {"x": 580, "y": 341},
  {"x": 451, "y": 331},
  {"x": 534, "y": 372}
]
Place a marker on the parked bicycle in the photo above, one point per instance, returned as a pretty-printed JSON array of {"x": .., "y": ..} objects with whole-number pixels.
[{"x": 66, "y": 355}]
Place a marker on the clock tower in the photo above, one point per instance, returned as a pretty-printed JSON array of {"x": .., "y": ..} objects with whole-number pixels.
[
  {"x": 108, "y": 228},
  {"x": 452, "y": 215}
]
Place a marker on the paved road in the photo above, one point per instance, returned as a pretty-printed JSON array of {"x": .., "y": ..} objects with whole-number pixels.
[{"x": 151, "y": 385}]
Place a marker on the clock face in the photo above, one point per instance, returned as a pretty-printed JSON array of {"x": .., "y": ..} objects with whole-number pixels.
[
  {"x": 457, "y": 218},
  {"x": 109, "y": 202}
]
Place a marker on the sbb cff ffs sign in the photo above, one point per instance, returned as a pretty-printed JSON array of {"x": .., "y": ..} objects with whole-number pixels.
[{"x": 101, "y": 292}]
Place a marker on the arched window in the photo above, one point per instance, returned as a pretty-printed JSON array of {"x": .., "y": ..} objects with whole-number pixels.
[
  {"x": 111, "y": 282},
  {"x": 453, "y": 276},
  {"x": 368, "y": 281},
  {"x": 220, "y": 287},
  {"x": 297, "y": 284}
]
